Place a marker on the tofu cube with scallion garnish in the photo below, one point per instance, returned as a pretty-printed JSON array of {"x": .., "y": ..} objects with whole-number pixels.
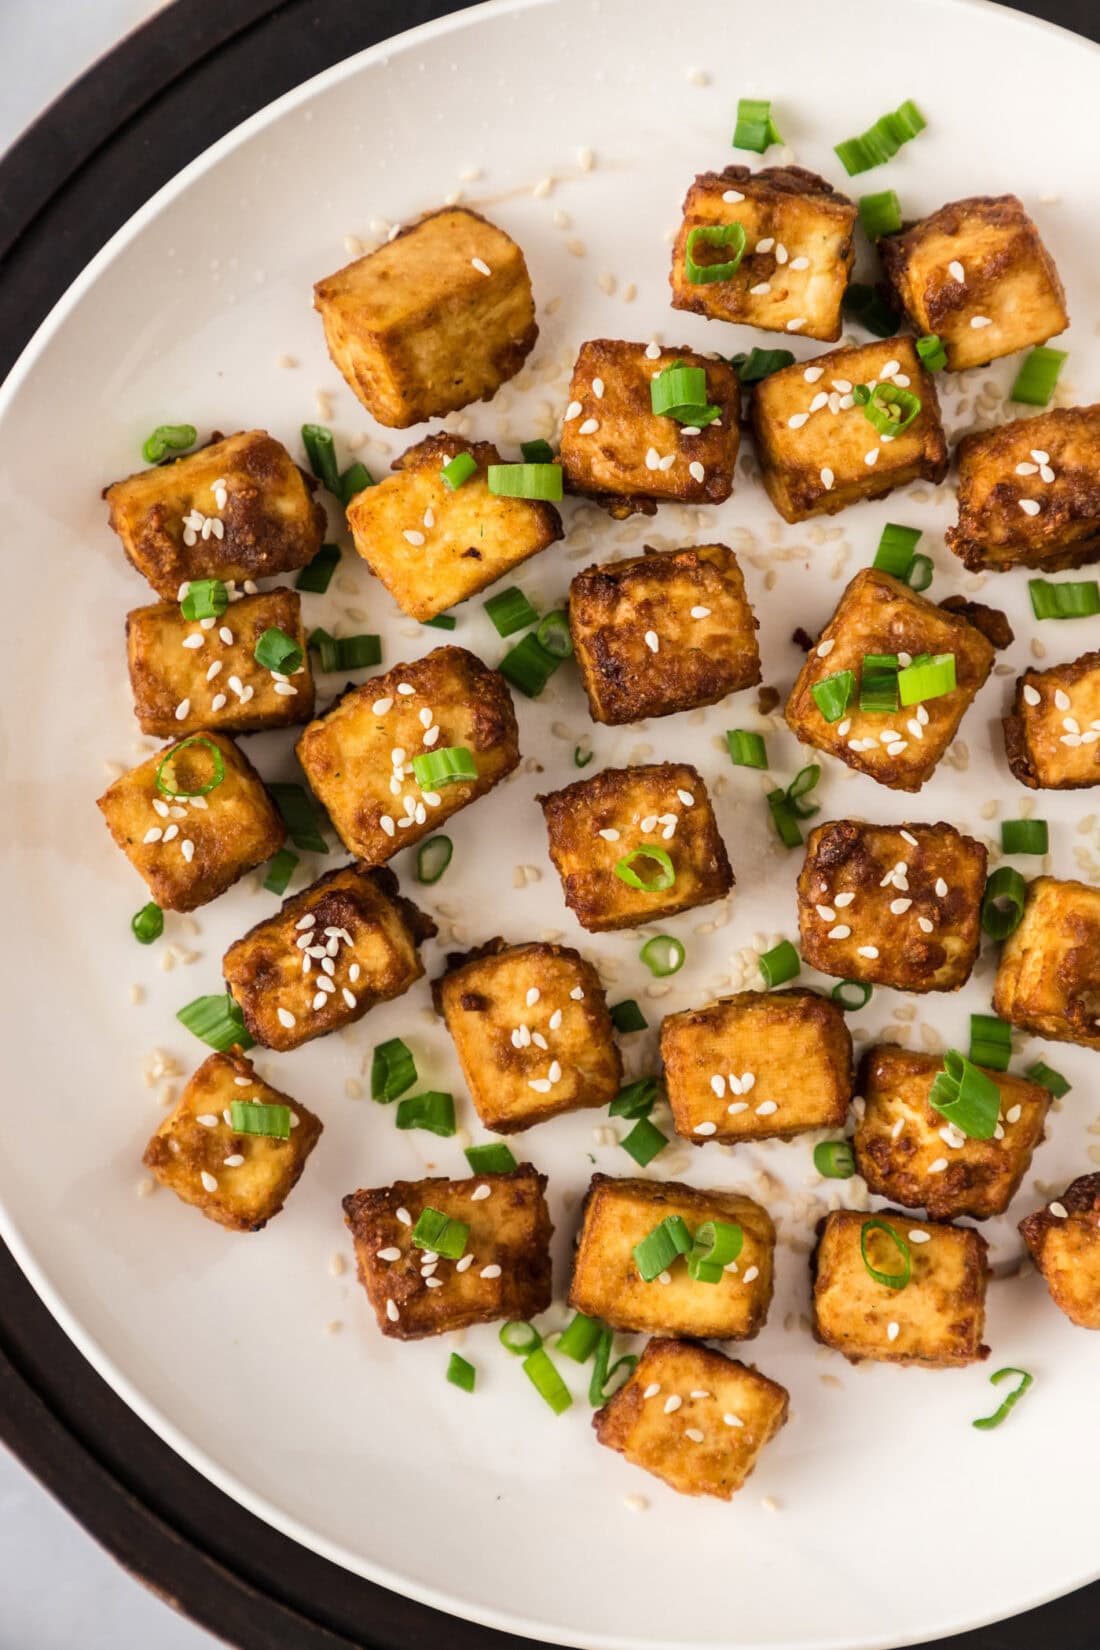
[
  {"x": 888, "y": 681},
  {"x": 395, "y": 757},
  {"x": 436, "y": 1255},
  {"x": 1064, "y": 1241},
  {"x": 1048, "y": 976},
  {"x": 233, "y": 1146},
  {"x": 1052, "y": 733},
  {"x": 646, "y": 425}
]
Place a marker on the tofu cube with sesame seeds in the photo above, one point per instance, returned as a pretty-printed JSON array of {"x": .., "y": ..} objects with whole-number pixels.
[
  {"x": 1052, "y": 733},
  {"x": 329, "y": 954},
  {"x": 762, "y": 1065},
  {"x": 601, "y": 827},
  {"x": 878, "y": 614},
  {"x": 977, "y": 274},
  {"x": 1048, "y": 976},
  {"x": 693, "y": 1417},
  {"x": 504, "y": 1268},
  {"x": 433, "y": 545},
  {"x": 190, "y": 676},
  {"x": 1064, "y": 1241},
  {"x": 799, "y": 240},
  {"x": 358, "y": 756},
  {"x": 893, "y": 905},
  {"x": 617, "y": 450},
  {"x": 908, "y": 1152},
  {"x": 666, "y": 631},
  {"x": 239, "y": 1180},
  {"x": 439, "y": 316},
  {"x": 619, "y": 1213},
  {"x": 936, "y": 1319},
  {"x": 189, "y": 842},
  {"x": 532, "y": 1030}
]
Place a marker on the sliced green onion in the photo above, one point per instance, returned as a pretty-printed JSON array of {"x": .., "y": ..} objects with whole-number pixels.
[
  {"x": 600, "y": 1387},
  {"x": 355, "y": 479},
  {"x": 1025, "y": 836},
  {"x": 277, "y": 651},
  {"x": 927, "y": 679},
  {"x": 644, "y": 1142},
  {"x": 966, "y": 1096},
  {"x": 866, "y": 305},
  {"x": 635, "y": 1099},
  {"x": 321, "y": 456},
  {"x": 747, "y": 749},
  {"x": 496, "y": 1158},
  {"x": 1052, "y": 1081},
  {"x": 890, "y": 1280},
  {"x": 529, "y": 666},
  {"x": 890, "y": 409},
  {"x": 833, "y": 694},
  {"x": 627, "y": 1016},
  {"x": 663, "y": 877},
  {"x": 881, "y": 141},
  {"x": 580, "y": 1338},
  {"x": 1071, "y": 599},
  {"x": 299, "y": 816},
  {"x": 781, "y": 963},
  {"x": 392, "y": 1070},
  {"x": 988, "y": 1422},
  {"x": 800, "y": 787},
  {"x": 216, "y": 1021},
  {"x": 442, "y": 621},
  {"x": 251, "y": 1117},
  {"x": 680, "y": 392},
  {"x": 895, "y": 549},
  {"x": 554, "y": 636},
  {"x": 656, "y": 1252},
  {"x": 459, "y": 470},
  {"x": 852, "y": 994},
  {"x": 432, "y": 1111},
  {"x": 758, "y": 364},
  {"x": 663, "y": 955},
  {"x": 205, "y": 599},
  {"x": 440, "y": 1235},
  {"x": 921, "y": 573},
  {"x": 714, "y": 234},
  {"x": 280, "y": 870},
  {"x": 537, "y": 452},
  {"x": 834, "y": 1159},
  {"x": 581, "y": 757},
  {"x": 539, "y": 1368},
  {"x": 519, "y": 1336},
  {"x": 932, "y": 353},
  {"x": 461, "y": 1373},
  {"x": 453, "y": 765},
  {"x": 1037, "y": 376},
  {"x": 878, "y": 684},
  {"x": 168, "y": 438},
  {"x": 542, "y": 481},
  {"x": 990, "y": 1042},
  {"x": 510, "y": 611},
  {"x": 147, "y": 924},
  {"x": 716, "y": 1244},
  {"x": 316, "y": 576},
  {"x": 345, "y": 652},
  {"x": 1003, "y": 902},
  {"x": 432, "y": 858},
  {"x": 755, "y": 129},
  {"x": 168, "y": 786},
  {"x": 880, "y": 214},
  {"x": 784, "y": 818}
]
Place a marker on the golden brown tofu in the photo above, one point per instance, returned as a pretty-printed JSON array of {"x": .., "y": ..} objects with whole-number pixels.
[
  {"x": 663, "y": 632},
  {"x": 503, "y": 1271},
  {"x": 239, "y": 1179},
  {"x": 896, "y": 905},
  {"x": 1052, "y": 736},
  {"x": 909, "y": 1152},
  {"x": 618, "y": 451},
  {"x": 976, "y": 274},
  {"x": 431, "y": 544},
  {"x": 1029, "y": 493},
  {"x": 878, "y": 614},
  {"x": 189, "y": 676},
  {"x": 235, "y": 510},
  {"x": 597, "y": 824},
  {"x": 607, "y": 1284},
  {"x": 352, "y": 918},
  {"x": 440, "y": 316},
  {"x": 798, "y": 250},
  {"x": 708, "y": 1442},
  {"x": 757, "y": 1066},
  {"x": 359, "y": 755},
  {"x": 819, "y": 451},
  {"x": 1048, "y": 978},
  {"x": 936, "y": 1319},
  {"x": 190, "y": 844},
  {"x": 532, "y": 1031},
  {"x": 1064, "y": 1240}
]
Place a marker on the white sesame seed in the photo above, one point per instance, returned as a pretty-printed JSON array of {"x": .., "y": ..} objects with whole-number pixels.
[
  {"x": 481, "y": 1192},
  {"x": 797, "y": 324},
  {"x": 733, "y": 1420},
  {"x": 694, "y": 1434},
  {"x": 941, "y": 887},
  {"x": 391, "y": 1311},
  {"x": 652, "y": 641},
  {"x": 732, "y": 196},
  {"x": 956, "y": 270},
  {"x": 652, "y": 459},
  {"x": 187, "y": 849},
  {"x": 381, "y": 706},
  {"x": 492, "y": 1271},
  {"x": 842, "y": 900},
  {"x": 1030, "y": 506},
  {"x": 918, "y": 1235},
  {"x": 589, "y": 427},
  {"x": 700, "y": 612},
  {"x": 796, "y": 420},
  {"x": 705, "y": 1128},
  {"x": 390, "y": 1253},
  {"x": 1059, "y": 1210},
  {"x": 233, "y": 1161},
  {"x": 766, "y": 244},
  {"x": 938, "y": 1166},
  {"x": 412, "y": 536},
  {"x": 900, "y": 906},
  {"x": 207, "y": 1119},
  {"x": 752, "y": 1274},
  {"x": 541, "y": 1085},
  {"x": 840, "y": 932},
  {"x": 405, "y": 689},
  {"x": 781, "y": 253},
  {"x": 820, "y": 400},
  {"x": 652, "y": 1389},
  {"x": 208, "y": 1181},
  {"x": 736, "y": 1107},
  {"x": 1013, "y": 1114},
  {"x": 481, "y": 266},
  {"x": 696, "y": 471},
  {"x": 766, "y": 1108},
  {"x": 196, "y": 639},
  {"x": 285, "y": 689},
  {"x": 977, "y": 321},
  {"x": 672, "y": 1403},
  {"x": 464, "y": 1264},
  {"x": 577, "y": 994},
  {"x": 760, "y": 289},
  {"x": 827, "y": 478},
  {"x": 653, "y": 351},
  {"x": 892, "y": 1330},
  {"x": 871, "y": 458},
  {"x": 285, "y": 1017},
  {"x": 812, "y": 374},
  {"x": 183, "y": 710},
  {"x": 667, "y": 462}
]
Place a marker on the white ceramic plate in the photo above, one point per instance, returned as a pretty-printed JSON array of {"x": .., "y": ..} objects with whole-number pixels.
[{"x": 894, "y": 1520}]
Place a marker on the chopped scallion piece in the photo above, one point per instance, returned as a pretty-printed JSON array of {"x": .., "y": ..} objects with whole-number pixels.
[
  {"x": 355, "y": 479},
  {"x": 680, "y": 392},
  {"x": 759, "y": 364},
  {"x": 932, "y": 353},
  {"x": 440, "y": 1235},
  {"x": 717, "y": 1243},
  {"x": 280, "y": 870},
  {"x": 433, "y": 1111},
  {"x": 834, "y": 1159},
  {"x": 166, "y": 780},
  {"x": 660, "y": 1247},
  {"x": 519, "y": 1336},
  {"x": 852, "y": 994},
  {"x": 580, "y": 1338},
  {"x": 927, "y": 679},
  {"x": 988, "y": 1422},
  {"x": 392, "y": 1070},
  {"x": 627, "y": 1016},
  {"x": 636, "y": 1099},
  {"x": 921, "y": 573},
  {"x": 663, "y": 955},
  {"x": 784, "y": 819},
  {"x": 205, "y": 599},
  {"x": 895, "y": 550},
  {"x": 216, "y": 1021},
  {"x": 459, "y": 470},
  {"x": 878, "y": 684},
  {"x": 1052, "y": 1081},
  {"x": 495, "y": 1158},
  {"x": 880, "y": 214},
  {"x": 336, "y": 653},
  {"x": 277, "y": 651},
  {"x": 539, "y": 481},
  {"x": 321, "y": 456},
  {"x": 888, "y": 407},
  {"x": 432, "y": 858},
  {"x": 554, "y": 636},
  {"x": 316, "y": 576},
  {"x": 866, "y": 305},
  {"x": 600, "y": 1387},
  {"x": 881, "y": 141},
  {"x": 1071, "y": 599},
  {"x": 779, "y": 964},
  {"x": 453, "y": 765},
  {"x": 168, "y": 438},
  {"x": 529, "y": 666},
  {"x": 537, "y": 452},
  {"x": 833, "y": 694},
  {"x": 966, "y": 1096},
  {"x": 644, "y": 1142},
  {"x": 461, "y": 1373},
  {"x": 147, "y": 924},
  {"x": 990, "y": 1042},
  {"x": 890, "y": 1280},
  {"x": 714, "y": 234},
  {"x": 755, "y": 129},
  {"x": 1003, "y": 902},
  {"x": 442, "y": 621},
  {"x": 663, "y": 877},
  {"x": 299, "y": 816},
  {"x": 251, "y": 1117},
  {"x": 582, "y": 757},
  {"x": 510, "y": 611},
  {"x": 1037, "y": 376},
  {"x": 747, "y": 749},
  {"x": 1025, "y": 836},
  {"x": 539, "y": 1368}
]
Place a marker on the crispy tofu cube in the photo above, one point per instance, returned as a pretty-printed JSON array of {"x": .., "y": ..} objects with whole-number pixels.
[
  {"x": 618, "y": 451},
  {"x": 532, "y": 1031},
  {"x": 191, "y": 849},
  {"x": 438, "y": 317},
  {"x": 1048, "y": 978},
  {"x": 937, "y": 1319},
  {"x": 1029, "y": 493},
  {"x": 358, "y": 756},
  {"x": 896, "y": 905},
  {"x": 503, "y": 1272},
  {"x": 710, "y": 1442},
  {"x": 663, "y": 632},
  {"x": 976, "y": 274},
  {"x": 606, "y": 1284},
  {"x": 818, "y": 450},
  {"x": 910, "y": 1153},
  {"x": 239, "y": 1180},
  {"x": 1052, "y": 736},
  {"x": 353, "y": 918},
  {"x": 760, "y": 1065},
  {"x": 595, "y": 823},
  {"x": 879, "y": 614},
  {"x": 798, "y": 250},
  {"x": 1064, "y": 1240}
]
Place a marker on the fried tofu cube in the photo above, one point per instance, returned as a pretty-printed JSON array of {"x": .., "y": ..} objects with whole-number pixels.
[
  {"x": 1052, "y": 736},
  {"x": 532, "y": 1030},
  {"x": 607, "y": 1284},
  {"x": 936, "y": 1319},
  {"x": 976, "y": 274},
  {"x": 618, "y": 451},
  {"x": 438, "y": 317},
  {"x": 595, "y": 825},
  {"x": 761, "y": 1065},
  {"x": 877, "y": 614},
  {"x": 189, "y": 676},
  {"x": 240, "y": 1180},
  {"x": 1064, "y": 1240},
  {"x": 504, "y": 1269},
  {"x": 354, "y": 919},
  {"x": 896, "y": 905},
  {"x": 798, "y": 250},
  {"x": 819, "y": 451},
  {"x": 1048, "y": 977},
  {"x": 189, "y": 848},
  {"x": 358, "y": 756},
  {"x": 663, "y": 632},
  {"x": 710, "y": 1442}
]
